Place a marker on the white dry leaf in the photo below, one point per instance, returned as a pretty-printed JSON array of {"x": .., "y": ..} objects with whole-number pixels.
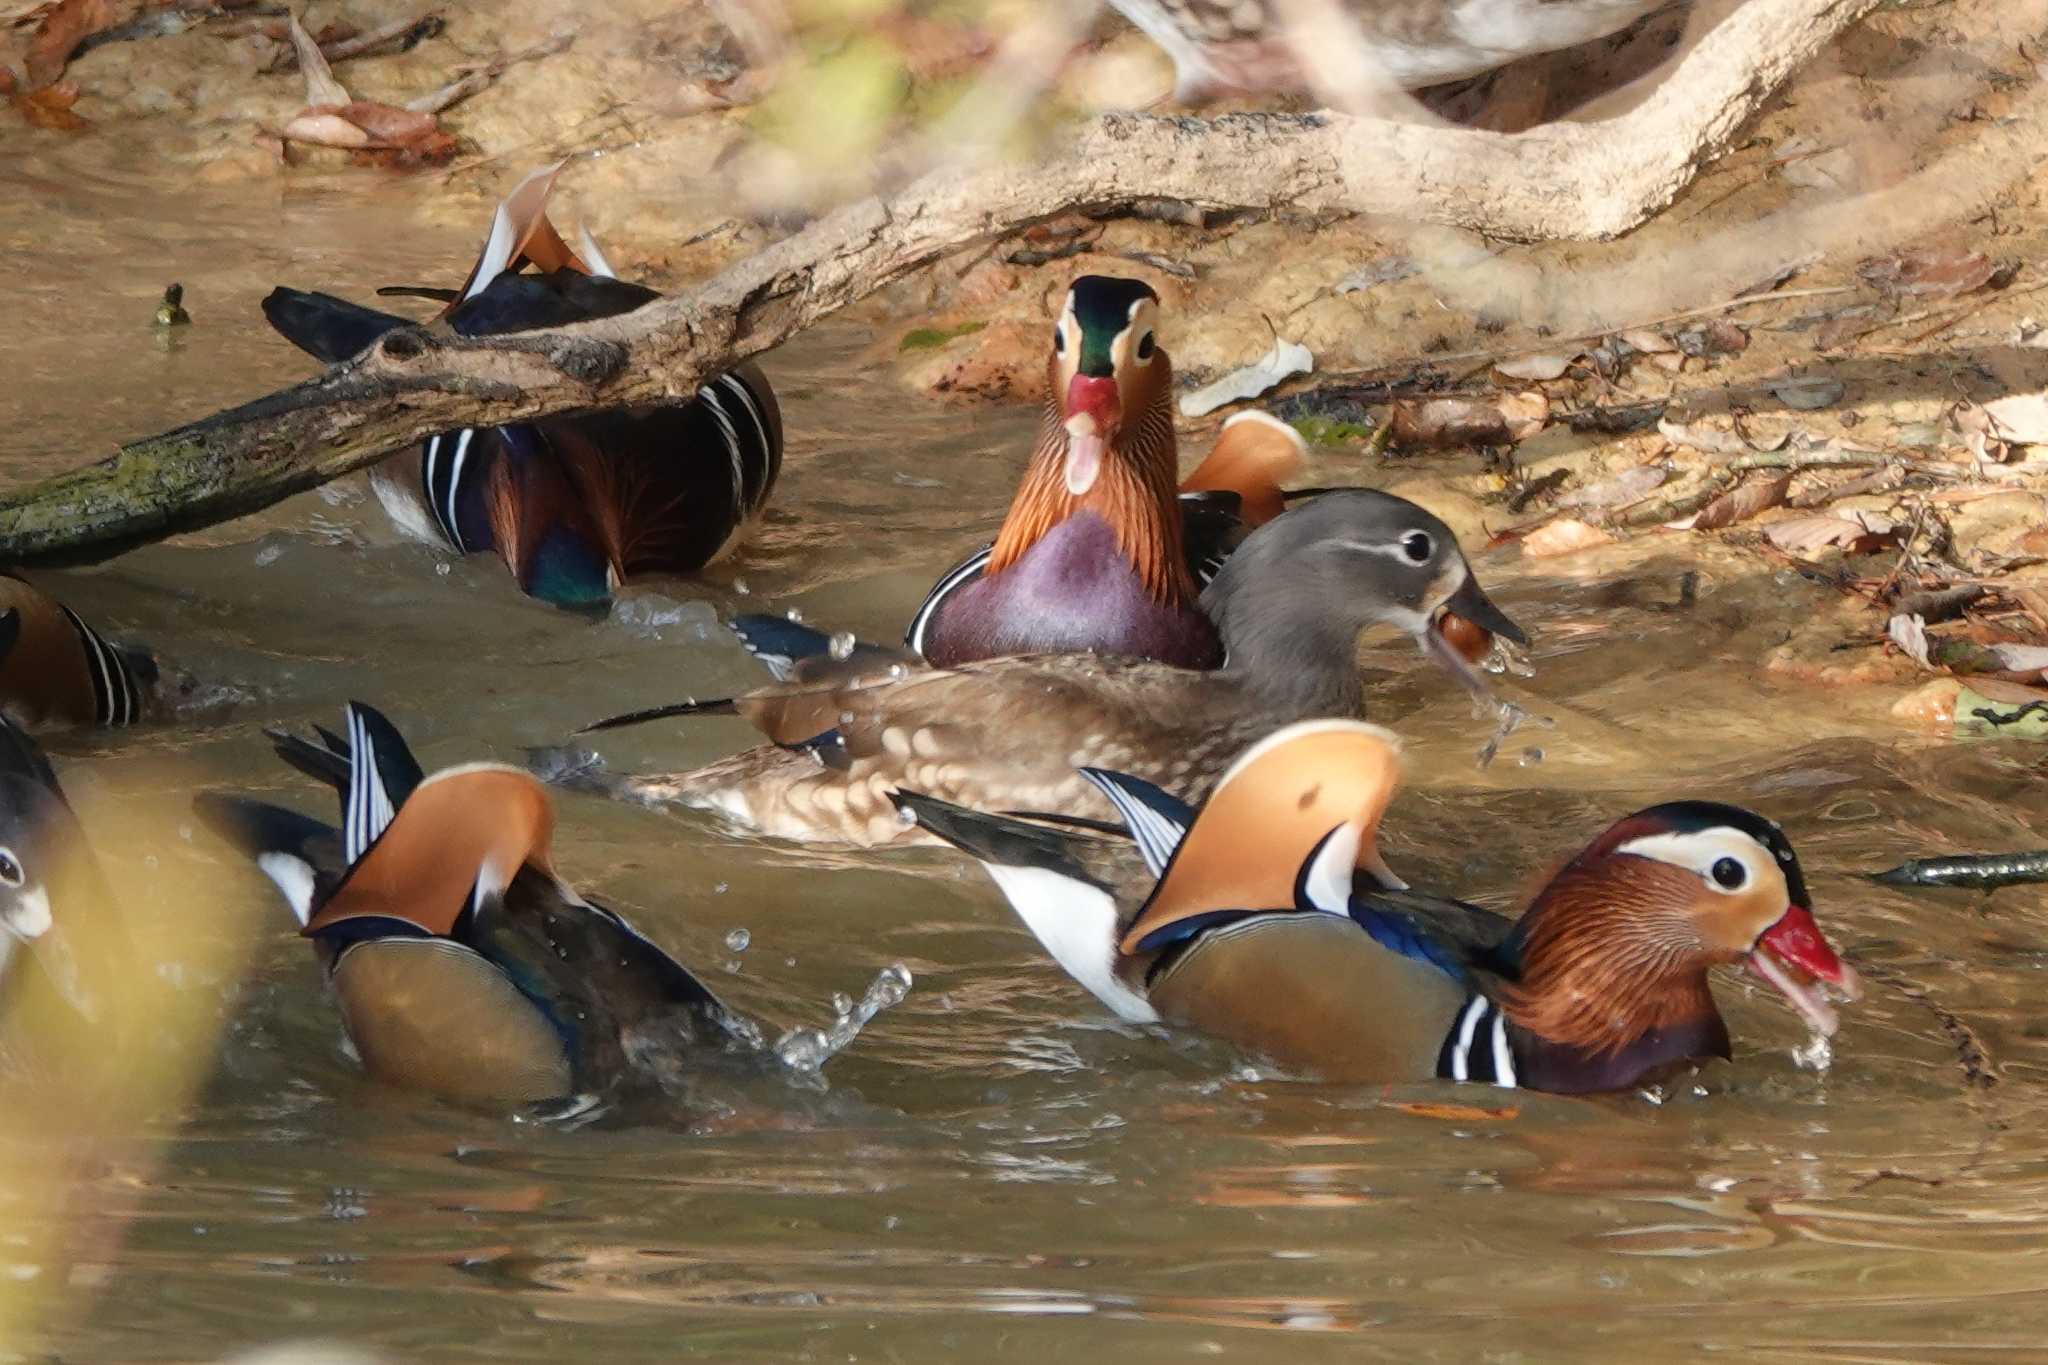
[
  {"x": 1535, "y": 368},
  {"x": 1909, "y": 633},
  {"x": 2021, "y": 658},
  {"x": 1566, "y": 535},
  {"x": 1648, "y": 342},
  {"x": 2021, "y": 418},
  {"x": 1701, "y": 437},
  {"x": 322, "y": 89},
  {"x": 1285, "y": 360},
  {"x": 1796, "y": 534}
]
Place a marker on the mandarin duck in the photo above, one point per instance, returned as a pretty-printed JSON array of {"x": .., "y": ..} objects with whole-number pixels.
[
  {"x": 1223, "y": 47},
  {"x": 57, "y": 670},
  {"x": 1097, "y": 552},
  {"x": 851, "y": 724},
  {"x": 1273, "y": 923},
  {"x": 462, "y": 963},
  {"x": 64, "y": 954},
  {"x": 573, "y": 505}
]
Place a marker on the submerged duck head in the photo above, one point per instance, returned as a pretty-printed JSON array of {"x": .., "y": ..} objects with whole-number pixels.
[{"x": 1292, "y": 600}]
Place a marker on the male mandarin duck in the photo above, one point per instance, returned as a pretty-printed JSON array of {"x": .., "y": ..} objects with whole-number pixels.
[
  {"x": 1274, "y": 925},
  {"x": 462, "y": 963},
  {"x": 573, "y": 505},
  {"x": 1222, "y": 47},
  {"x": 1009, "y": 733},
  {"x": 64, "y": 955},
  {"x": 57, "y": 670},
  {"x": 1097, "y": 552}
]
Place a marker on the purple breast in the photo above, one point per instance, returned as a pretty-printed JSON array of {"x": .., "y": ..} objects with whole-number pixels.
[{"x": 1071, "y": 592}]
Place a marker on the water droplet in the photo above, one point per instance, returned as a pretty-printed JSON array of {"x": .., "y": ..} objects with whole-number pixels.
[
  {"x": 898, "y": 671},
  {"x": 737, "y": 940},
  {"x": 731, "y": 966},
  {"x": 721, "y": 889},
  {"x": 842, "y": 1004},
  {"x": 795, "y": 615},
  {"x": 269, "y": 555},
  {"x": 739, "y": 585},
  {"x": 1531, "y": 756},
  {"x": 842, "y": 644},
  {"x": 444, "y": 568}
]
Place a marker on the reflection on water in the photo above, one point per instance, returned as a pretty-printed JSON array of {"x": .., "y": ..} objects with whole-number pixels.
[{"x": 994, "y": 1168}]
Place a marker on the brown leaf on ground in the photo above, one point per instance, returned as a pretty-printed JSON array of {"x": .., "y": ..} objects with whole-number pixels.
[
  {"x": 1717, "y": 337},
  {"x": 1566, "y": 535},
  {"x": 1858, "y": 533},
  {"x": 1941, "y": 272},
  {"x": 50, "y": 107},
  {"x": 1450, "y": 422},
  {"x": 7, "y": 82},
  {"x": 69, "y": 23},
  {"x": 1741, "y": 503}
]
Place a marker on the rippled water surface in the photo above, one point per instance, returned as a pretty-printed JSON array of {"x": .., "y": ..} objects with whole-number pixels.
[{"x": 995, "y": 1170}]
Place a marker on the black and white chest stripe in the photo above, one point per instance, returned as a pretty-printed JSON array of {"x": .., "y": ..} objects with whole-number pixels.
[
  {"x": 116, "y": 697},
  {"x": 1477, "y": 1047},
  {"x": 755, "y": 456},
  {"x": 442, "y": 464}
]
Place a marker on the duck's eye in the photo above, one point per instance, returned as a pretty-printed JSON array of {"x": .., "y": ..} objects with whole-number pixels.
[
  {"x": 1729, "y": 874},
  {"x": 10, "y": 868},
  {"x": 1417, "y": 546},
  {"x": 1059, "y": 341},
  {"x": 1146, "y": 347}
]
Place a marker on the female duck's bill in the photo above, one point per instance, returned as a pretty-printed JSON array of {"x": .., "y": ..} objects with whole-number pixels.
[{"x": 1275, "y": 924}]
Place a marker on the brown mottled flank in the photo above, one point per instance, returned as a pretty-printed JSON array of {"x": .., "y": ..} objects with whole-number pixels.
[{"x": 994, "y": 736}]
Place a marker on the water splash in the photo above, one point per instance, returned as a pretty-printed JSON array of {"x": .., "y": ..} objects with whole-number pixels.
[
  {"x": 1816, "y": 1054},
  {"x": 806, "y": 1050},
  {"x": 841, "y": 646}
]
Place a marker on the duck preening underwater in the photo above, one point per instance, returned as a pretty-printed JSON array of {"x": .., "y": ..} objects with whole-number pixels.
[
  {"x": 573, "y": 505},
  {"x": 462, "y": 963},
  {"x": 850, "y": 726},
  {"x": 1273, "y": 923},
  {"x": 1104, "y": 547}
]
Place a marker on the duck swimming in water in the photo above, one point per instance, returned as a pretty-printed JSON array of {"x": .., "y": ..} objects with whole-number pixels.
[
  {"x": 573, "y": 505},
  {"x": 1272, "y": 922},
  {"x": 849, "y": 726}
]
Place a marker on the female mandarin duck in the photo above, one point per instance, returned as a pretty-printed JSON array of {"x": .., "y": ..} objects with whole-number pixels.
[
  {"x": 1275, "y": 925},
  {"x": 1097, "y": 552},
  {"x": 463, "y": 964},
  {"x": 573, "y": 505},
  {"x": 1223, "y": 47},
  {"x": 64, "y": 954},
  {"x": 57, "y": 670},
  {"x": 1006, "y": 734}
]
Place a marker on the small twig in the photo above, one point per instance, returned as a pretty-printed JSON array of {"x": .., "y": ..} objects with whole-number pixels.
[{"x": 405, "y": 33}]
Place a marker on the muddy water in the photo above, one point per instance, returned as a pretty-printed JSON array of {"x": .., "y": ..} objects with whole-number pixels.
[{"x": 994, "y": 1170}]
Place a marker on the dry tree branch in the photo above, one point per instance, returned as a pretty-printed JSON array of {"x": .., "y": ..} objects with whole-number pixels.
[{"x": 1561, "y": 181}]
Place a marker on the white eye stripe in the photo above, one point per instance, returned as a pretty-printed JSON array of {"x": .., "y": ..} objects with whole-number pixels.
[{"x": 1699, "y": 851}]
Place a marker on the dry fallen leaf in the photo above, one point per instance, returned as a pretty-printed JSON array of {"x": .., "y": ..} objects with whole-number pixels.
[
  {"x": 1909, "y": 633},
  {"x": 50, "y": 107},
  {"x": 1457, "y": 1113},
  {"x": 2021, "y": 418},
  {"x": 1286, "y": 359},
  {"x": 1470, "y": 421},
  {"x": 1648, "y": 342},
  {"x": 1534, "y": 368},
  {"x": 1629, "y": 486},
  {"x": 1856, "y": 532},
  {"x": 1938, "y": 271},
  {"x": 64, "y": 27},
  {"x": 1566, "y": 535},
  {"x": 1741, "y": 503},
  {"x": 1805, "y": 393}
]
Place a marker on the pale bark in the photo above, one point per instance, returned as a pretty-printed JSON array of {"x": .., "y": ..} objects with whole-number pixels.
[{"x": 1582, "y": 181}]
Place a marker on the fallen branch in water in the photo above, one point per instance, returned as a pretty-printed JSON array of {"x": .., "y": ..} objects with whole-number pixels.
[{"x": 1558, "y": 181}]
